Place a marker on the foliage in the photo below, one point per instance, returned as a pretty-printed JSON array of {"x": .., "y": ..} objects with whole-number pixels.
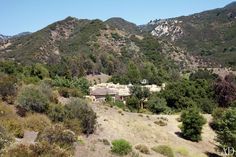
[
  {"x": 80, "y": 83},
  {"x": 226, "y": 133},
  {"x": 225, "y": 90},
  {"x": 58, "y": 135},
  {"x": 164, "y": 150},
  {"x": 9, "y": 120},
  {"x": 70, "y": 92},
  {"x": 56, "y": 112},
  {"x": 192, "y": 123},
  {"x": 37, "y": 122},
  {"x": 217, "y": 115},
  {"x": 5, "y": 139},
  {"x": 74, "y": 125},
  {"x": 39, "y": 149},
  {"x": 132, "y": 103},
  {"x": 84, "y": 113},
  {"x": 158, "y": 105},
  {"x": 185, "y": 94},
  {"x": 39, "y": 71},
  {"x": 8, "y": 88},
  {"x": 121, "y": 147},
  {"x": 13, "y": 126},
  {"x": 31, "y": 98}
]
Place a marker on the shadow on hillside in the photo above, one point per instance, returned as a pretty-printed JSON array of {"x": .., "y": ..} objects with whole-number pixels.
[{"x": 210, "y": 154}]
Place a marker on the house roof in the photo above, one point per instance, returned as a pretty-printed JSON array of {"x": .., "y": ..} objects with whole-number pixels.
[{"x": 103, "y": 92}]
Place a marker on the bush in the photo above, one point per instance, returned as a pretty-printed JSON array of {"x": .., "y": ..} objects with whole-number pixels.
[
  {"x": 164, "y": 150},
  {"x": 8, "y": 88},
  {"x": 70, "y": 92},
  {"x": 13, "y": 126},
  {"x": 37, "y": 122},
  {"x": 33, "y": 99},
  {"x": 5, "y": 138},
  {"x": 158, "y": 105},
  {"x": 80, "y": 110},
  {"x": 143, "y": 149},
  {"x": 39, "y": 149},
  {"x": 58, "y": 135},
  {"x": 121, "y": 147},
  {"x": 133, "y": 103},
  {"x": 161, "y": 123},
  {"x": 226, "y": 135},
  {"x": 217, "y": 115},
  {"x": 74, "y": 125},
  {"x": 10, "y": 121},
  {"x": 56, "y": 112},
  {"x": 192, "y": 123}
]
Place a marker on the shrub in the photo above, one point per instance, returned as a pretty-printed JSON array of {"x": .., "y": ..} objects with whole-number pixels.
[
  {"x": 226, "y": 135},
  {"x": 158, "y": 105},
  {"x": 5, "y": 138},
  {"x": 37, "y": 122},
  {"x": 217, "y": 115},
  {"x": 14, "y": 126},
  {"x": 58, "y": 135},
  {"x": 31, "y": 98},
  {"x": 56, "y": 112},
  {"x": 192, "y": 123},
  {"x": 80, "y": 110},
  {"x": 70, "y": 92},
  {"x": 143, "y": 149},
  {"x": 10, "y": 121},
  {"x": 18, "y": 150},
  {"x": 74, "y": 125},
  {"x": 164, "y": 150},
  {"x": 132, "y": 103},
  {"x": 8, "y": 88},
  {"x": 161, "y": 123},
  {"x": 39, "y": 149},
  {"x": 121, "y": 147}
]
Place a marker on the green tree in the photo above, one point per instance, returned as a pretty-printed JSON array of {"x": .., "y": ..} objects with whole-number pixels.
[
  {"x": 192, "y": 123},
  {"x": 226, "y": 133},
  {"x": 133, "y": 73},
  {"x": 133, "y": 103},
  {"x": 158, "y": 105}
]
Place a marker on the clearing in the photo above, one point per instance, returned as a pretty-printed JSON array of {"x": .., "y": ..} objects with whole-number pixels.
[{"x": 140, "y": 129}]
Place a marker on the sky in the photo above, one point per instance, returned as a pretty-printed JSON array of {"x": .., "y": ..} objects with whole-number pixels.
[{"x": 18, "y": 16}]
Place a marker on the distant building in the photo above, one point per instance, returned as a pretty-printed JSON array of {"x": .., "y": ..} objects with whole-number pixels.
[{"x": 116, "y": 91}]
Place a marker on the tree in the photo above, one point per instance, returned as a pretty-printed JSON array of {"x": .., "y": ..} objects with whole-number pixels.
[
  {"x": 141, "y": 93},
  {"x": 133, "y": 73},
  {"x": 226, "y": 133},
  {"x": 133, "y": 103},
  {"x": 225, "y": 91},
  {"x": 158, "y": 105},
  {"x": 192, "y": 123}
]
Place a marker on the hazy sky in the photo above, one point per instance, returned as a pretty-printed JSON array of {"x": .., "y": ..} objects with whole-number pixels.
[{"x": 31, "y": 15}]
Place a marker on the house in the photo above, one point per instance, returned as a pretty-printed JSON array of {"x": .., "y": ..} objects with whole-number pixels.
[
  {"x": 117, "y": 91},
  {"x": 101, "y": 93}
]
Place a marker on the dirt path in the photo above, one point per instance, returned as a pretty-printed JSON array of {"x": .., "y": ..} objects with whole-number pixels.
[{"x": 140, "y": 129}]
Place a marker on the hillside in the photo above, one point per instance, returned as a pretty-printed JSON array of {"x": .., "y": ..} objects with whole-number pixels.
[
  {"x": 89, "y": 46},
  {"x": 209, "y": 34}
]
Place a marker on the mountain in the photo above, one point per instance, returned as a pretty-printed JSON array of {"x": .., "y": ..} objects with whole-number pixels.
[
  {"x": 209, "y": 34},
  {"x": 3, "y": 37},
  {"x": 122, "y": 24},
  {"x": 92, "y": 46}
]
